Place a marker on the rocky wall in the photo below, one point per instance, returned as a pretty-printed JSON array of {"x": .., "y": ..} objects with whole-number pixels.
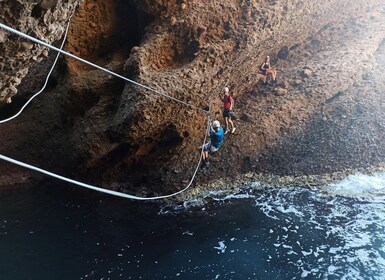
[
  {"x": 130, "y": 138},
  {"x": 45, "y": 20}
]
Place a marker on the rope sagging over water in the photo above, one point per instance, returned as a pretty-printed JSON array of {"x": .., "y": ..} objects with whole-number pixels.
[
  {"x": 84, "y": 185},
  {"x": 103, "y": 190}
]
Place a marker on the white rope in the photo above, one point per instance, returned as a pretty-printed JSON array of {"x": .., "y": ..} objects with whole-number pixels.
[
  {"x": 103, "y": 190},
  {"x": 10, "y": 29},
  {"x": 46, "y": 80}
]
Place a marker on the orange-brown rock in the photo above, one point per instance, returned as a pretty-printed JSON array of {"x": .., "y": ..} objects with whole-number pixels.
[{"x": 329, "y": 56}]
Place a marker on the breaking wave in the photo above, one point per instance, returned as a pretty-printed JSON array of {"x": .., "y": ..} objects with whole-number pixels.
[{"x": 335, "y": 231}]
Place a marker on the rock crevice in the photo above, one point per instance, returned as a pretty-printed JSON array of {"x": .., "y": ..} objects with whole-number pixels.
[{"x": 330, "y": 70}]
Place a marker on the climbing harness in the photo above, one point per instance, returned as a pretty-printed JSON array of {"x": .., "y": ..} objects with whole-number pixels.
[
  {"x": 10, "y": 29},
  {"x": 103, "y": 190}
]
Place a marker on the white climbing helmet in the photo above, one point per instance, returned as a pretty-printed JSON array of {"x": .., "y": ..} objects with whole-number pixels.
[
  {"x": 226, "y": 90},
  {"x": 216, "y": 124}
]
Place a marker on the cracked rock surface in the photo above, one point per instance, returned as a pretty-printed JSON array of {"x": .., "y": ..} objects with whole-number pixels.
[{"x": 324, "y": 114}]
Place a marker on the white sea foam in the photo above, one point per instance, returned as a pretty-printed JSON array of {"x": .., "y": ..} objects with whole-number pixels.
[
  {"x": 289, "y": 209},
  {"x": 222, "y": 247},
  {"x": 350, "y": 219},
  {"x": 359, "y": 185},
  {"x": 307, "y": 253},
  {"x": 292, "y": 252}
]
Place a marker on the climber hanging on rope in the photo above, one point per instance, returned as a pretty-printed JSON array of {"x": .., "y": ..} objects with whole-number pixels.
[{"x": 216, "y": 139}]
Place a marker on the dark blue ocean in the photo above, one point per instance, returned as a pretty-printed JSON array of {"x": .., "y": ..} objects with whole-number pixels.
[{"x": 62, "y": 232}]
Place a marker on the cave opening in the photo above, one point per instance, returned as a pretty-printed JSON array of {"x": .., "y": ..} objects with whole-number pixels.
[{"x": 131, "y": 25}]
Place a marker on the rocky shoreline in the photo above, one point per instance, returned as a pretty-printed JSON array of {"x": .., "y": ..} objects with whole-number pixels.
[
  {"x": 326, "y": 113},
  {"x": 243, "y": 183}
]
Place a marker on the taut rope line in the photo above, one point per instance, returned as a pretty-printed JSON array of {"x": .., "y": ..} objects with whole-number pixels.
[{"x": 10, "y": 29}]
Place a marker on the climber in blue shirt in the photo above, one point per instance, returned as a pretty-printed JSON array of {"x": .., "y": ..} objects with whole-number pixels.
[{"x": 216, "y": 139}]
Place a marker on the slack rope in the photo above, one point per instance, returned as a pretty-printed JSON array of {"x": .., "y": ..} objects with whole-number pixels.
[
  {"x": 88, "y": 186},
  {"x": 103, "y": 190},
  {"x": 45, "y": 84}
]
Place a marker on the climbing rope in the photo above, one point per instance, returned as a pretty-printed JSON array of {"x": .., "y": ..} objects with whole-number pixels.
[
  {"x": 10, "y": 29},
  {"x": 46, "y": 80},
  {"x": 103, "y": 190}
]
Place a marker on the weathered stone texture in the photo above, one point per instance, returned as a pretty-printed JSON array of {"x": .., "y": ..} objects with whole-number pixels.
[
  {"x": 126, "y": 136},
  {"x": 45, "y": 20}
]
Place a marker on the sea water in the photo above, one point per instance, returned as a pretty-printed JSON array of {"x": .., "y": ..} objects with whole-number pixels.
[{"x": 60, "y": 232}]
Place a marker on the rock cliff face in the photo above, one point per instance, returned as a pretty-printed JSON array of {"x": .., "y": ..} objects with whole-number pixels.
[
  {"x": 45, "y": 20},
  {"x": 324, "y": 114}
]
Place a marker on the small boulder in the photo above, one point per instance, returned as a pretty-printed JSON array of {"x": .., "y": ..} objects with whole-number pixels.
[
  {"x": 48, "y": 4},
  {"x": 285, "y": 84},
  {"x": 306, "y": 73},
  {"x": 281, "y": 91},
  {"x": 26, "y": 45},
  {"x": 297, "y": 82},
  {"x": 245, "y": 118},
  {"x": 173, "y": 21},
  {"x": 283, "y": 53}
]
